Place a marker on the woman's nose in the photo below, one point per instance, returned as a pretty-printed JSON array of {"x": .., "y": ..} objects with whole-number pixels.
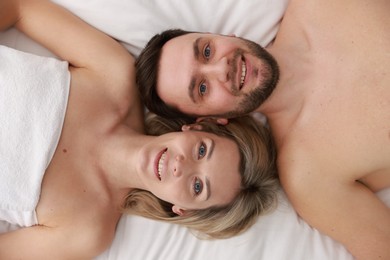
[{"x": 177, "y": 168}]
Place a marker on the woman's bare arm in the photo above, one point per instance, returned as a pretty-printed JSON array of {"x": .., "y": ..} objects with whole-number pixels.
[
  {"x": 8, "y": 13},
  {"x": 39, "y": 242},
  {"x": 68, "y": 36},
  {"x": 97, "y": 56}
]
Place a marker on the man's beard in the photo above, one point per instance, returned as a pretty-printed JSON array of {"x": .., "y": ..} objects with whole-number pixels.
[{"x": 270, "y": 72}]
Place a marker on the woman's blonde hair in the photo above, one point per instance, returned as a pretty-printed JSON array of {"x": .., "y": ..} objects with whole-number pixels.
[{"x": 259, "y": 181}]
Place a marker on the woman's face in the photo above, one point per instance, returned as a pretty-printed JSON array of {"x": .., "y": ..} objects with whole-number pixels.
[{"x": 191, "y": 169}]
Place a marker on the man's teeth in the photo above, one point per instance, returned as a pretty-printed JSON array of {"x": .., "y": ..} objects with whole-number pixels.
[
  {"x": 160, "y": 164},
  {"x": 243, "y": 73}
]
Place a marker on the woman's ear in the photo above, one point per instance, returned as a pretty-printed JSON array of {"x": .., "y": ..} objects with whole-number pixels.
[{"x": 177, "y": 210}]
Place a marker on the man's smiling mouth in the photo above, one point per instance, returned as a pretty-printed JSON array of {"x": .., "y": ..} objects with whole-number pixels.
[{"x": 243, "y": 74}]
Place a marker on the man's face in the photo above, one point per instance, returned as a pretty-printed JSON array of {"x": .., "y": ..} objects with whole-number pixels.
[{"x": 207, "y": 74}]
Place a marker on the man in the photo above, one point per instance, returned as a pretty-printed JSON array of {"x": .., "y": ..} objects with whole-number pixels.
[{"x": 329, "y": 110}]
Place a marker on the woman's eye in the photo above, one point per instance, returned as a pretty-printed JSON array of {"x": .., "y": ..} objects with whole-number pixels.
[
  {"x": 207, "y": 52},
  {"x": 198, "y": 186},
  {"x": 202, "y": 151},
  {"x": 202, "y": 89}
]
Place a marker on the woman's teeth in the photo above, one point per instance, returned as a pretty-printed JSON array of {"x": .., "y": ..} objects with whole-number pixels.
[
  {"x": 243, "y": 73},
  {"x": 161, "y": 163}
]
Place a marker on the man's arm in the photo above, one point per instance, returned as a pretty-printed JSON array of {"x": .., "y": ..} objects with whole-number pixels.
[{"x": 348, "y": 212}]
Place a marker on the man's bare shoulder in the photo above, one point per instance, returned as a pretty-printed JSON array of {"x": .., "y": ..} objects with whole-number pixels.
[
  {"x": 295, "y": 157},
  {"x": 304, "y": 158},
  {"x": 312, "y": 12}
]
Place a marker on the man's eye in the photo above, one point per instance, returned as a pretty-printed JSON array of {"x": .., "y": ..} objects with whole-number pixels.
[
  {"x": 207, "y": 52},
  {"x": 202, "y": 151},
  {"x": 202, "y": 89},
  {"x": 198, "y": 186}
]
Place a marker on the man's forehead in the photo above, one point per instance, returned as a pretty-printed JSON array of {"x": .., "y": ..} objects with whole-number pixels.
[
  {"x": 175, "y": 73},
  {"x": 188, "y": 38},
  {"x": 175, "y": 68},
  {"x": 192, "y": 36}
]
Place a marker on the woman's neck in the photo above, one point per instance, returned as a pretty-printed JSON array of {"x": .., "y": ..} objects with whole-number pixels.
[{"x": 118, "y": 159}]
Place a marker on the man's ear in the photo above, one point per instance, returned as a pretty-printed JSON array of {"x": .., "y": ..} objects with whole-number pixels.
[
  {"x": 191, "y": 127},
  {"x": 177, "y": 210},
  {"x": 217, "y": 120},
  {"x": 222, "y": 121},
  {"x": 195, "y": 126}
]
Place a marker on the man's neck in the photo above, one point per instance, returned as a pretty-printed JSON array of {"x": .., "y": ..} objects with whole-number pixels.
[{"x": 285, "y": 104}]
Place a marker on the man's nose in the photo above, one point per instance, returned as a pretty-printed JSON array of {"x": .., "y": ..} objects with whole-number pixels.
[{"x": 218, "y": 70}]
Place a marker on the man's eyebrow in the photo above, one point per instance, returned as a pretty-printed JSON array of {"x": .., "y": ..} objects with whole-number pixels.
[
  {"x": 191, "y": 87},
  {"x": 195, "y": 47}
]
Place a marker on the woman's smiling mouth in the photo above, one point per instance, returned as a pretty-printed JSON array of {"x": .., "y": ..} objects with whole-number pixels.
[{"x": 159, "y": 163}]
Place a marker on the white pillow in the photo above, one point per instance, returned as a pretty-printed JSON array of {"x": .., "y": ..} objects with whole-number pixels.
[{"x": 134, "y": 22}]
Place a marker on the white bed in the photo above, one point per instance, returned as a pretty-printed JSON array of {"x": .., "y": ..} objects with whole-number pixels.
[{"x": 279, "y": 235}]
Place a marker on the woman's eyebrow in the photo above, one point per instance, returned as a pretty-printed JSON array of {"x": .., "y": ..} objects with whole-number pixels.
[
  {"x": 208, "y": 186},
  {"x": 208, "y": 189}
]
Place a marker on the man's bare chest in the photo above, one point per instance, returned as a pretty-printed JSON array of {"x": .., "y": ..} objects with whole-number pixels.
[{"x": 345, "y": 119}]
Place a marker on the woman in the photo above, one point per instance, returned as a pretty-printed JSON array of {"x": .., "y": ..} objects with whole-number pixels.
[
  {"x": 99, "y": 162},
  {"x": 258, "y": 179}
]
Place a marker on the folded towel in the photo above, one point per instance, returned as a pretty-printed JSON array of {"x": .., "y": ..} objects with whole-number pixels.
[{"x": 33, "y": 98}]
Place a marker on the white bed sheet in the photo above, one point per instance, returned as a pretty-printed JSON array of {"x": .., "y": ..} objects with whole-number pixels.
[{"x": 279, "y": 235}]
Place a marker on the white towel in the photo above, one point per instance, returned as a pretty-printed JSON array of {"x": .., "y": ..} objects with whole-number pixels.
[{"x": 33, "y": 98}]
